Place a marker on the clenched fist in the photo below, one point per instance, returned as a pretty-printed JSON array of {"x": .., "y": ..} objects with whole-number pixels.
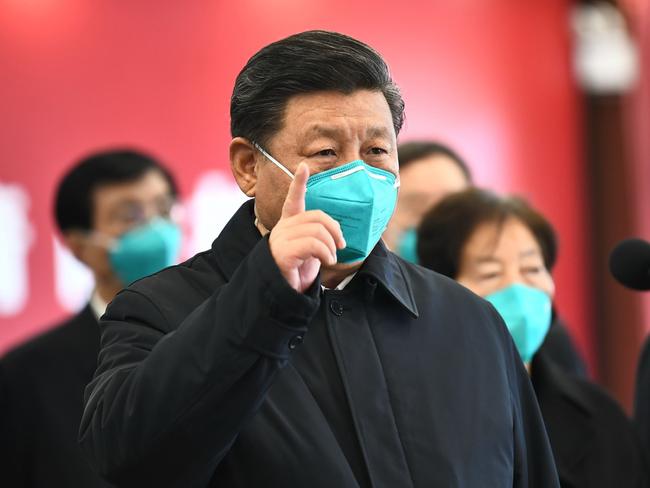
[{"x": 302, "y": 240}]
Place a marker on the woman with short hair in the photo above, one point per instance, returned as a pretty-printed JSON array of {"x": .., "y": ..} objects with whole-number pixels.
[{"x": 503, "y": 250}]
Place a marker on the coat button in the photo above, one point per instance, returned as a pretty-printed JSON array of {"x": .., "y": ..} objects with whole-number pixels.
[
  {"x": 336, "y": 308},
  {"x": 295, "y": 341}
]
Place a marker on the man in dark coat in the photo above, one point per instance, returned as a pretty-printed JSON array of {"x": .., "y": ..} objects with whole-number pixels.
[
  {"x": 101, "y": 198},
  {"x": 298, "y": 351}
]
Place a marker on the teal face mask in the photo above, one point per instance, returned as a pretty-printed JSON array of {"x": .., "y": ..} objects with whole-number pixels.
[
  {"x": 407, "y": 246},
  {"x": 145, "y": 250},
  {"x": 360, "y": 197},
  {"x": 527, "y": 314}
]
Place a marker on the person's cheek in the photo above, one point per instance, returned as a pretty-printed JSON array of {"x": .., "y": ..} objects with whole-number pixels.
[
  {"x": 96, "y": 258},
  {"x": 550, "y": 286},
  {"x": 544, "y": 282}
]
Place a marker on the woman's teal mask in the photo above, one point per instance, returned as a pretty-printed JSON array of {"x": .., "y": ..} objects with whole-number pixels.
[
  {"x": 527, "y": 314},
  {"x": 407, "y": 245},
  {"x": 360, "y": 197},
  {"x": 145, "y": 250}
]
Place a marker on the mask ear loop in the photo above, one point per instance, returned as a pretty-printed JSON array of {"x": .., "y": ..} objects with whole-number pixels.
[{"x": 272, "y": 159}]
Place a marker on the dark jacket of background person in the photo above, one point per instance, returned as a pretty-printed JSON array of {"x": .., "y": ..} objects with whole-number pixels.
[
  {"x": 592, "y": 440},
  {"x": 41, "y": 402},
  {"x": 402, "y": 379},
  {"x": 558, "y": 346},
  {"x": 642, "y": 396}
]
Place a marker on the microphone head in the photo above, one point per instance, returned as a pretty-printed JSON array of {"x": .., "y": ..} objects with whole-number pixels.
[{"x": 629, "y": 263}]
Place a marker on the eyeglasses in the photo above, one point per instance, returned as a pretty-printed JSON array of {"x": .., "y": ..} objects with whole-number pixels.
[{"x": 132, "y": 213}]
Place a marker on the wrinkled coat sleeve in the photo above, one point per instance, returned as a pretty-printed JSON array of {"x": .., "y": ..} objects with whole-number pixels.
[
  {"x": 168, "y": 400},
  {"x": 534, "y": 463}
]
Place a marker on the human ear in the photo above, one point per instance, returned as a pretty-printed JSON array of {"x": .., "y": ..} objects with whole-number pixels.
[
  {"x": 243, "y": 164},
  {"x": 75, "y": 241},
  {"x": 87, "y": 249}
]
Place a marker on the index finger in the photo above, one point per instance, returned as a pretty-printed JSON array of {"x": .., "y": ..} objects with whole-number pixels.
[{"x": 294, "y": 203}]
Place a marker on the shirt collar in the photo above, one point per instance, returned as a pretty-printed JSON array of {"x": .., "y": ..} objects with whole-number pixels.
[
  {"x": 240, "y": 235},
  {"x": 344, "y": 282},
  {"x": 97, "y": 305}
]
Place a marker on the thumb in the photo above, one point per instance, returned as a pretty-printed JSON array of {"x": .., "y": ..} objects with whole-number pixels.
[{"x": 294, "y": 203}]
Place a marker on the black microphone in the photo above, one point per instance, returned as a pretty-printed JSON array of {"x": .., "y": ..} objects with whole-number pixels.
[{"x": 629, "y": 263}]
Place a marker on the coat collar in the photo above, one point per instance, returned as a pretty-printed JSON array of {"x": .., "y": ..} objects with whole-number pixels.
[
  {"x": 240, "y": 235},
  {"x": 387, "y": 269},
  {"x": 236, "y": 240}
]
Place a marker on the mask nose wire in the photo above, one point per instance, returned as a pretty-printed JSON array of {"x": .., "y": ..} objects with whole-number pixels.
[{"x": 273, "y": 160}]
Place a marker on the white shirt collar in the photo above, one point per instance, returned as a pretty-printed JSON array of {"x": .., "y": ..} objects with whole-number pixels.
[
  {"x": 97, "y": 304},
  {"x": 342, "y": 284}
]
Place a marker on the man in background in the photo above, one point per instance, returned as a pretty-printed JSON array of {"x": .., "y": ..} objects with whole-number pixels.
[
  {"x": 429, "y": 171},
  {"x": 113, "y": 212}
]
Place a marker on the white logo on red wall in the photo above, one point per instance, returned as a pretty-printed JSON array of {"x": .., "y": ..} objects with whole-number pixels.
[
  {"x": 16, "y": 239},
  {"x": 73, "y": 281},
  {"x": 213, "y": 202}
]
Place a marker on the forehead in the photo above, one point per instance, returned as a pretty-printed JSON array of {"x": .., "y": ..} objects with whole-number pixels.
[
  {"x": 432, "y": 174},
  {"x": 149, "y": 186},
  {"x": 331, "y": 113},
  {"x": 501, "y": 241}
]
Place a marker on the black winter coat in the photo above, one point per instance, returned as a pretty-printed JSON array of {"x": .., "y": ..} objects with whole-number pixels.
[
  {"x": 594, "y": 442},
  {"x": 217, "y": 373},
  {"x": 41, "y": 401}
]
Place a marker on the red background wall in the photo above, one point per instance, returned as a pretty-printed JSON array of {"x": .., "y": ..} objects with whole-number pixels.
[{"x": 490, "y": 77}]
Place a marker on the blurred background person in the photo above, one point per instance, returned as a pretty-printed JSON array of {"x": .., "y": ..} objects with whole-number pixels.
[
  {"x": 504, "y": 250},
  {"x": 428, "y": 172},
  {"x": 113, "y": 211}
]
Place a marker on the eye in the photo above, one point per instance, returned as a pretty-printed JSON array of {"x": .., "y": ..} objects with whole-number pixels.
[
  {"x": 532, "y": 269},
  {"x": 326, "y": 153},
  {"x": 164, "y": 207},
  {"x": 488, "y": 276},
  {"x": 377, "y": 151}
]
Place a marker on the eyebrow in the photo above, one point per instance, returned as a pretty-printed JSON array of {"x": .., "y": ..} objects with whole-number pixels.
[
  {"x": 130, "y": 202},
  {"x": 332, "y": 131},
  {"x": 491, "y": 259},
  {"x": 529, "y": 252},
  {"x": 378, "y": 132},
  {"x": 323, "y": 130}
]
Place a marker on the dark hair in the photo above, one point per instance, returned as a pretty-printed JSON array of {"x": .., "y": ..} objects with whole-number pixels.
[
  {"x": 74, "y": 195},
  {"x": 447, "y": 227},
  {"x": 414, "y": 150},
  {"x": 308, "y": 62}
]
